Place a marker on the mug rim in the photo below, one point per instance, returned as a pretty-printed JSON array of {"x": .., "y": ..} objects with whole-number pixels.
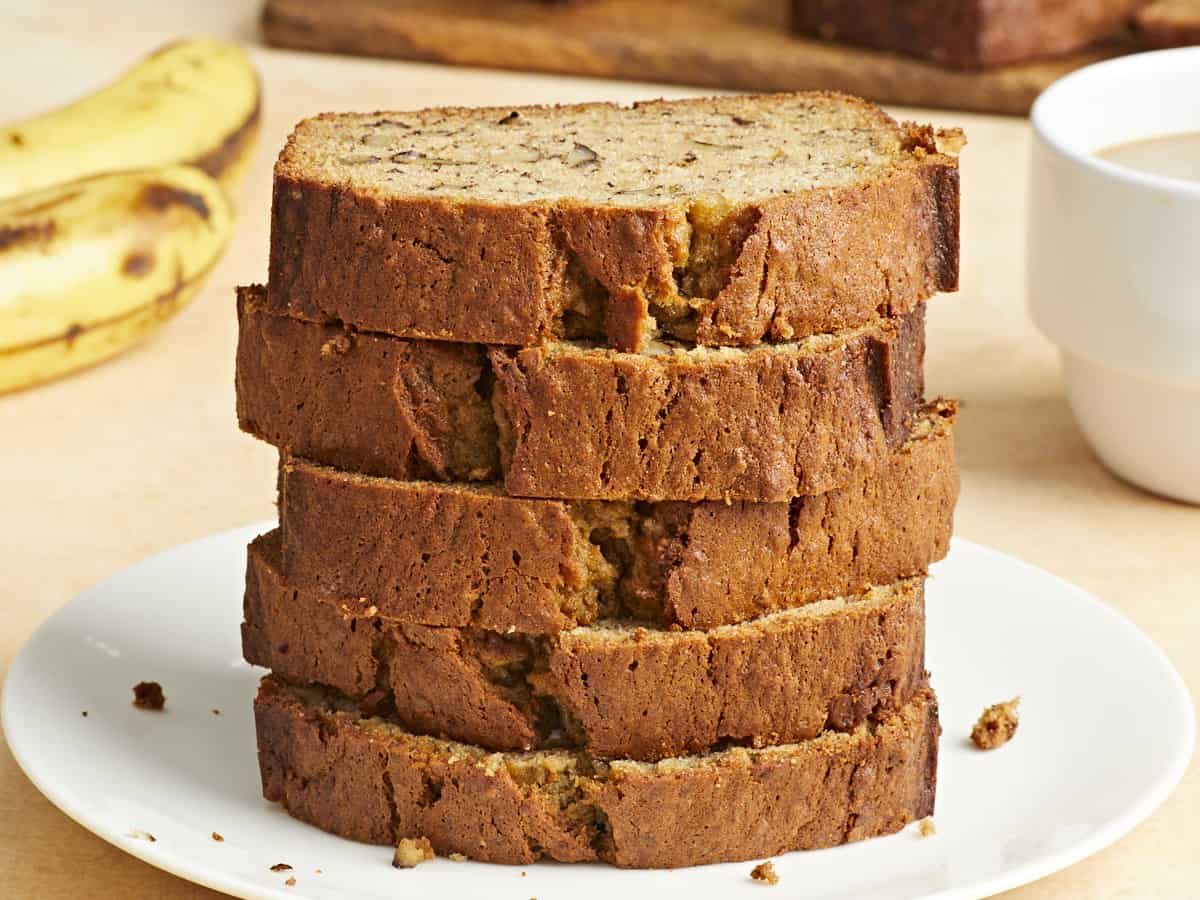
[{"x": 1050, "y": 131}]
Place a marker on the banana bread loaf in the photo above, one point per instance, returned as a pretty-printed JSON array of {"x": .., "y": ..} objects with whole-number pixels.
[
  {"x": 368, "y": 780},
  {"x": 568, "y": 421},
  {"x": 966, "y": 33},
  {"x": 723, "y": 221},
  {"x": 456, "y": 555},
  {"x": 1170, "y": 23},
  {"x": 615, "y": 689}
]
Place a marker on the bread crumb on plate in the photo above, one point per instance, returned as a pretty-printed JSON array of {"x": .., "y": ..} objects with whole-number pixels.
[
  {"x": 411, "y": 852},
  {"x": 149, "y": 695},
  {"x": 997, "y": 725},
  {"x": 765, "y": 873}
]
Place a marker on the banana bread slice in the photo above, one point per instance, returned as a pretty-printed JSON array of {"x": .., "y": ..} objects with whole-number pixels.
[
  {"x": 724, "y": 220},
  {"x": 368, "y": 780},
  {"x": 569, "y": 420},
  {"x": 966, "y": 33},
  {"x": 616, "y": 689},
  {"x": 459, "y": 555}
]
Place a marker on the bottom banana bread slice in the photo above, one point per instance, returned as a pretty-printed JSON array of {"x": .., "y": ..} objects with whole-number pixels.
[
  {"x": 615, "y": 689},
  {"x": 368, "y": 780}
]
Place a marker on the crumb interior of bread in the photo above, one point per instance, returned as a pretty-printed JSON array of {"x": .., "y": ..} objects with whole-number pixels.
[
  {"x": 737, "y": 148},
  {"x": 682, "y": 351},
  {"x": 566, "y": 770},
  {"x": 585, "y": 303},
  {"x": 872, "y": 598}
]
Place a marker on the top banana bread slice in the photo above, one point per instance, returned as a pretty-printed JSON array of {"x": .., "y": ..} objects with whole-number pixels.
[{"x": 724, "y": 221}]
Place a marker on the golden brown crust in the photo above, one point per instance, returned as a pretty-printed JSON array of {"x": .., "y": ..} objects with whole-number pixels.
[
  {"x": 370, "y": 782},
  {"x": 764, "y": 425},
  {"x": 615, "y": 691},
  {"x": 412, "y": 409}
]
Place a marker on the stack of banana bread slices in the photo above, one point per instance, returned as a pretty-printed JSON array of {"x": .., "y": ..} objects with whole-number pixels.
[{"x": 607, "y": 483}]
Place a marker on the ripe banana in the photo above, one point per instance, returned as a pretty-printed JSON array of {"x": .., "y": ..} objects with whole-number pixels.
[
  {"x": 193, "y": 102},
  {"x": 90, "y": 267}
]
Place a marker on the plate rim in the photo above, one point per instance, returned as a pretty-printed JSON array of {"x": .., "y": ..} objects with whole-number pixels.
[
  {"x": 1161, "y": 787},
  {"x": 181, "y": 865}
]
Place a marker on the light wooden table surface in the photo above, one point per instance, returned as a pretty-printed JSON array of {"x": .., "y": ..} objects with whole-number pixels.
[{"x": 144, "y": 452}]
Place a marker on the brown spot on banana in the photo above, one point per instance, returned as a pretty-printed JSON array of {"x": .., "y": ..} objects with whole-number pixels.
[
  {"x": 236, "y": 143},
  {"x": 138, "y": 263},
  {"x": 17, "y": 139},
  {"x": 160, "y": 197},
  {"x": 13, "y": 236}
]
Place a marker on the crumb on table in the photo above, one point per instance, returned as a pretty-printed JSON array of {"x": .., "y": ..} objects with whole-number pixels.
[
  {"x": 458, "y": 857},
  {"x": 217, "y": 837},
  {"x": 281, "y": 867},
  {"x": 997, "y": 725},
  {"x": 291, "y": 882},
  {"x": 142, "y": 835},
  {"x": 926, "y": 828},
  {"x": 411, "y": 852},
  {"x": 149, "y": 695},
  {"x": 765, "y": 873}
]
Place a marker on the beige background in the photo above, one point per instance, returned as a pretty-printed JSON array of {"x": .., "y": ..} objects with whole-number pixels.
[{"x": 143, "y": 453}]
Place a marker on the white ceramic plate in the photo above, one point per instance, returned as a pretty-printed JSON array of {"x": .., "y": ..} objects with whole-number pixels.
[{"x": 1067, "y": 785}]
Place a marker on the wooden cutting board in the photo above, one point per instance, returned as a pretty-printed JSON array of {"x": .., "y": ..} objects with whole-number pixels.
[{"x": 735, "y": 44}]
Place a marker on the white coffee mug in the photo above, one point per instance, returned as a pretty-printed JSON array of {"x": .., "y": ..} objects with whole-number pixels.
[{"x": 1114, "y": 264}]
